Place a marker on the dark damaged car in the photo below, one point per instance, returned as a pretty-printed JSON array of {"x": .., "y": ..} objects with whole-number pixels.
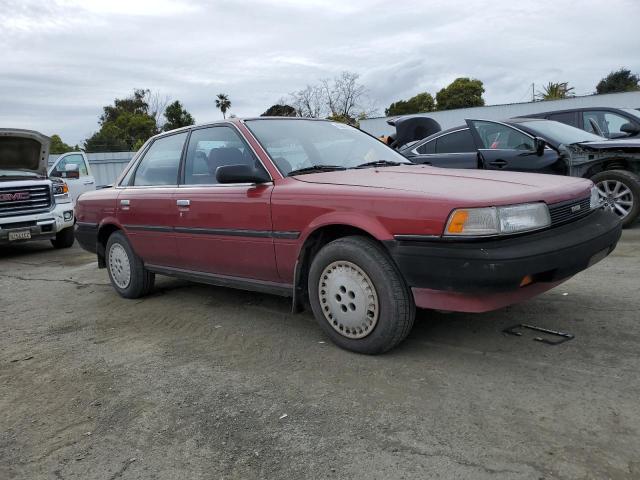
[{"x": 537, "y": 146}]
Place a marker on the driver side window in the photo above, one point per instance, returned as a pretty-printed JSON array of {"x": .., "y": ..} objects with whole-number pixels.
[
  {"x": 495, "y": 136},
  {"x": 75, "y": 159}
]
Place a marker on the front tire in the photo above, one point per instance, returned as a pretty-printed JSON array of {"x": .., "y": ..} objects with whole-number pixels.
[
  {"x": 126, "y": 270},
  {"x": 359, "y": 297},
  {"x": 64, "y": 238},
  {"x": 619, "y": 191}
]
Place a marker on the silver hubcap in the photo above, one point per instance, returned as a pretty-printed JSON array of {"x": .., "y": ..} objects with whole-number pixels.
[
  {"x": 119, "y": 266},
  {"x": 615, "y": 196},
  {"x": 348, "y": 299}
]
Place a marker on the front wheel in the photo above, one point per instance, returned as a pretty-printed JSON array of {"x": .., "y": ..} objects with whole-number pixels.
[
  {"x": 126, "y": 270},
  {"x": 359, "y": 297},
  {"x": 619, "y": 192},
  {"x": 64, "y": 238}
]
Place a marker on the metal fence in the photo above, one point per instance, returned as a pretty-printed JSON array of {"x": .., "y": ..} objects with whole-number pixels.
[{"x": 105, "y": 166}]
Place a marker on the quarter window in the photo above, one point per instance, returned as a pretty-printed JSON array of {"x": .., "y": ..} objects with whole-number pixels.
[
  {"x": 210, "y": 148},
  {"x": 427, "y": 148},
  {"x": 160, "y": 163},
  {"x": 456, "y": 142},
  {"x": 497, "y": 136}
]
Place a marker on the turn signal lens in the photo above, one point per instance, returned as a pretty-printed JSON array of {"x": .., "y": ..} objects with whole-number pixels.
[{"x": 456, "y": 224}]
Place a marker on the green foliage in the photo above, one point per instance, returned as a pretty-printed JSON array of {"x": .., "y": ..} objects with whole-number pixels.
[
  {"x": 123, "y": 125},
  {"x": 177, "y": 116},
  {"x": 463, "y": 92},
  {"x": 422, "y": 102},
  {"x": 619, "y": 81},
  {"x": 556, "y": 91},
  {"x": 280, "y": 110},
  {"x": 223, "y": 103},
  {"x": 57, "y": 146}
]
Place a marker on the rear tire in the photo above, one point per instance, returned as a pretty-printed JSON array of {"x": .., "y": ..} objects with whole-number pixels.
[
  {"x": 126, "y": 270},
  {"x": 359, "y": 297},
  {"x": 620, "y": 192},
  {"x": 64, "y": 238}
]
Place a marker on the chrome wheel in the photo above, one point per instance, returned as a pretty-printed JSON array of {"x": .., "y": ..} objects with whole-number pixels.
[
  {"x": 119, "y": 266},
  {"x": 348, "y": 299},
  {"x": 615, "y": 196}
]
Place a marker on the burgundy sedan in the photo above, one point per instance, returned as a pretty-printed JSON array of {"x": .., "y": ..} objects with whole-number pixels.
[{"x": 328, "y": 215}]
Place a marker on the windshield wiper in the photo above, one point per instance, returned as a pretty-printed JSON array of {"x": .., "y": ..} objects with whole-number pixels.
[
  {"x": 381, "y": 163},
  {"x": 315, "y": 168}
]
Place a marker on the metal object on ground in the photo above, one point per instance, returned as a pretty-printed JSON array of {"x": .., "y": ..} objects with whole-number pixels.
[{"x": 564, "y": 337}]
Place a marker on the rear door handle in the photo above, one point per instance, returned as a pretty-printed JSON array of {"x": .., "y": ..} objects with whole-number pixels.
[
  {"x": 183, "y": 203},
  {"x": 498, "y": 163},
  {"x": 125, "y": 204}
]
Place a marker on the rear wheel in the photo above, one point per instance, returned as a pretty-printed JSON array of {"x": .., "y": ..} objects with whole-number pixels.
[
  {"x": 64, "y": 238},
  {"x": 619, "y": 191},
  {"x": 359, "y": 297},
  {"x": 126, "y": 270}
]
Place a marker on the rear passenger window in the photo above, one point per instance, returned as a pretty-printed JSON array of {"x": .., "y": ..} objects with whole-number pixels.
[
  {"x": 570, "y": 118},
  {"x": 210, "y": 148},
  {"x": 456, "y": 142},
  {"x": 160, "y": 163}
]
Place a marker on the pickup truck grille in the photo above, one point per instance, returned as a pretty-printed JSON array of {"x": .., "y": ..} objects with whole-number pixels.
[
  {"x": 568, "y": 211},
  {"x": 24, "y": 200}
]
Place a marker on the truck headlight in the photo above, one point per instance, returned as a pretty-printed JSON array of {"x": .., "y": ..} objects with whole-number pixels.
[
  {"x": 498, "y": 220},
  {"x": 595, "y": 201}
]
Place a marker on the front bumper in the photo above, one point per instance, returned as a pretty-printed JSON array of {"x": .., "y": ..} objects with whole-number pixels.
[
  {"x": 41, "y": 226},
  {"x": 483, "y": 275}
]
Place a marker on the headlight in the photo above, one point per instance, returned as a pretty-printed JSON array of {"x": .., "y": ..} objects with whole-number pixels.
[
  {"x": 595, "y": 201},
  {"x": 498, "y": 220},
  {"x": 60, "y": 188}
]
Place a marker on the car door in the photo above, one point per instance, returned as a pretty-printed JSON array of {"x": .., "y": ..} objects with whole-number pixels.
[
  {"x": 454, "y": 149},
  {"x": 146, "y": 207},
  {"x": 74, "y": 169},
  {"x": 223, "y": 229},
  {"x": 503, "y": 147}
]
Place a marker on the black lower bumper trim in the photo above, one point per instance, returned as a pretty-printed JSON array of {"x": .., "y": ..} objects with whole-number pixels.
[
  {"x": 87, "y": 236},
  {"x": 501, "y": 264}
]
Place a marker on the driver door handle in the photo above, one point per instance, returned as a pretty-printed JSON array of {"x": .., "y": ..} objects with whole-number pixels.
[{"x": 498, "y": 163}]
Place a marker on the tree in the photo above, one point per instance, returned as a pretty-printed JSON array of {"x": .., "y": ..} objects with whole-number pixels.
[
  {"x": 463, "y": 92},
  {"x": 422, "y": 102},
  {"x": 280, "y": 110},
  {"x": 619, "y": 81},
  {"x": 123, "y": 125},
  {"x": 223, "y": 103},
  {"x": 556, "y": 91},
  {"x": 309, "y": 102},
  {"x": 57, "y": 146},
  {"x": 177, "y": 116}
]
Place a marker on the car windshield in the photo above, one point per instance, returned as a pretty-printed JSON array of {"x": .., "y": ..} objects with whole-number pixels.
[
  {"x": 631, "y": 111},
  {"x": 560, "y": 133},
  {"x": 294, "y": 145}
]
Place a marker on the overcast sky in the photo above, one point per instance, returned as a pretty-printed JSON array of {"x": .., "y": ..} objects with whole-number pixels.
[{"x": 61, "y": 61}]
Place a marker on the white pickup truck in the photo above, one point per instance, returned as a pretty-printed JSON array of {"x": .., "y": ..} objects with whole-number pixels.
[{"x": 32, "y": 207}]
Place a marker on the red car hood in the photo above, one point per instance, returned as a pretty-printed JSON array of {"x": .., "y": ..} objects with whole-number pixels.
[{"x": 467, "y": 187}]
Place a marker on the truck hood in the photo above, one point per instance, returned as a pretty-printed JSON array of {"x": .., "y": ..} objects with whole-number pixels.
[
  {"x": 466, "y": 187},
  {"x": 23, "y": 154}
]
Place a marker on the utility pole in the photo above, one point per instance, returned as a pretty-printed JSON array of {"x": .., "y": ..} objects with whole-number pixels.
[{"x": 533, "y": 92}]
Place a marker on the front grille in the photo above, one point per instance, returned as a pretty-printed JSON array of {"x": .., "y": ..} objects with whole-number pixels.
[
  {"x": 568, "y": 211},
  {"x": 24, "y": 200},
  {"x": 8, "y": 226}
]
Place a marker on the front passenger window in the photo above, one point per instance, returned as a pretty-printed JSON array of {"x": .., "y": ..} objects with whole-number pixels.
[{"x": 160, "y": 163}]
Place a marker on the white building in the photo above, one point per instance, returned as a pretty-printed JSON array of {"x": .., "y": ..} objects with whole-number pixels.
[{"x": 453, "y": 118}]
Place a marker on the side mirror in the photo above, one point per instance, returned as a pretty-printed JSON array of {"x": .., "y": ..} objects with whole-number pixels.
[
  {"x": 241, "y": 174},
  {"x": 630, "y": 128},
  {"x": 539, "y": 145}
]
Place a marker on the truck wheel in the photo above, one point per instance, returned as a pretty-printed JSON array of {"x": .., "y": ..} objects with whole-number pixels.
[
  {"x": 126, "y": 270},
  {"x": 359, "y": 297},
  {"x": 64, "y": 238},
  {"x": 620, "y": 192}
]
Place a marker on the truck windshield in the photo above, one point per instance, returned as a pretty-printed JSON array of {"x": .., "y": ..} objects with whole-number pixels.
[
  {"x": 560, "y": 133},
  {"x": 305, "y": 145}
]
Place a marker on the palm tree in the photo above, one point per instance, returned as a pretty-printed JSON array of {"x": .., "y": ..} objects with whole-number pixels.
[
  {"x": 556, "y": 91},
  {"x": 223, "y": 103}
]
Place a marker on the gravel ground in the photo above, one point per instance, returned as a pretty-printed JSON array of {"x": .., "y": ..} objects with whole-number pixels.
[{"x": 202, "y": 382}]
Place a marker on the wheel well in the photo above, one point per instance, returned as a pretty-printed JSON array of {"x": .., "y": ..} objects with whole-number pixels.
[
  {"x": 103, "y": 236},
  {"x": 613, "y": 164},
  {"x": 312, "y": 245}
]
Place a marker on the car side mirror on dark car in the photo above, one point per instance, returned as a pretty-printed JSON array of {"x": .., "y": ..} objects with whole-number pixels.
[
  {"x": 539, "y": 145},
  {"x": 241, "y": 174},
  {"x": 630, "y": 128}
]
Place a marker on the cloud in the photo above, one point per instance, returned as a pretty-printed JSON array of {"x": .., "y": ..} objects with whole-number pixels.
[{"x": 62, "y": 61}]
